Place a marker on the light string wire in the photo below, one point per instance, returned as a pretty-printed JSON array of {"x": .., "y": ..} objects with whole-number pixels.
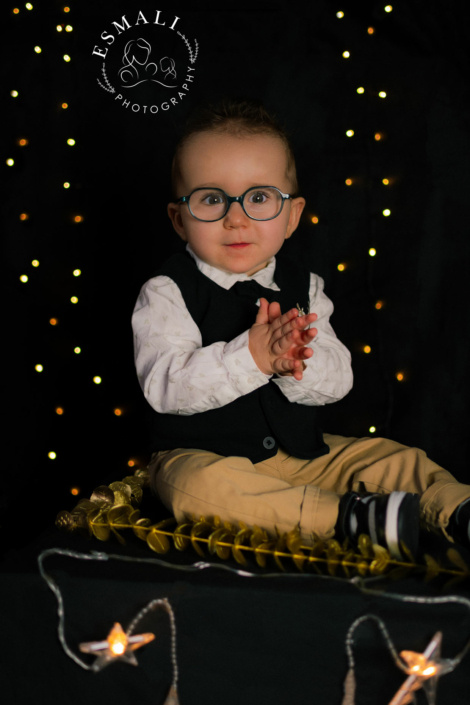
[
  {"x": 402, "y": 598},
  {"x": 201, "y": 565},
  {"x": 61, "y": 612}
]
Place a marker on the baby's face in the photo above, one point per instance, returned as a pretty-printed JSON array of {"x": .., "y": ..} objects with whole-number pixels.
[{"x": 235, "y": 164}]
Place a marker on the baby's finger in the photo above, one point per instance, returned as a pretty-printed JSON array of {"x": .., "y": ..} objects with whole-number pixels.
[{"x": 274, "y": 311}]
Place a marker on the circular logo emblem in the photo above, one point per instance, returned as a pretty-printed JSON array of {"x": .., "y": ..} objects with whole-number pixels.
[{"x": 147, "y": 62}]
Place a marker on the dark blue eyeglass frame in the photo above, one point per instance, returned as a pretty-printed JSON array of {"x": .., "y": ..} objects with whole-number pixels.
[{"x": 233, "y": 199}]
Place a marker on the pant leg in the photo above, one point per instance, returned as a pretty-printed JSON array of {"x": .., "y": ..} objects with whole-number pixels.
[
  {"x": 382, "y": 465},
  {"x": 193, "y": 481}
]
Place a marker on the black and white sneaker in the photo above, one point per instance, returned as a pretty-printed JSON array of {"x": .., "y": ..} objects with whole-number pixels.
[
  {"x": 459, "y": 524},
  {"x": 388, "y": 519}
]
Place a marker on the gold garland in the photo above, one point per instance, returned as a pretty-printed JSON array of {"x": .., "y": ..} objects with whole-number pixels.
[{"x": 113, "y": 508}]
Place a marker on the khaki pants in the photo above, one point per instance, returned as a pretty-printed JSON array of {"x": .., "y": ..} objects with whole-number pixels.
[{"x": 284, "y": 491}]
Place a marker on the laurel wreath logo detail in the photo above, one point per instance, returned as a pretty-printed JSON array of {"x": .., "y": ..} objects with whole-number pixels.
[{"x": 110, "y": 89}]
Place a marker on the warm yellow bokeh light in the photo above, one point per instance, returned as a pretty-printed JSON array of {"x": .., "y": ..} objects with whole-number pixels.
[
  {"x": 360, "y": 89},
  {"x": 367, "y": 349},
  {"x": 377, "y": 136},
  {"x": 372, "y": 429},
  {"x": 372, "y": 252},
  {"x": 386, "y": 212},
  {"x": 370, "y": 30},
  {"x": 71, "y": 142},
  {"x": 339, "y": 14},
  {"x": 10, "y": 162},
  {"x": 74, "y": 491},
  {"x": 314, "y": 220},
  {"x": 78, "y": 218},
  {"x": 37, "y": 50},
  {"x": 23, "y": 278},
  {"x": 14, "y": 94},
  {"x": 23, "y": 142},
  {"x": 52, "y": 455},
  {"x": 66, "y": 9},
  {"x": 76, "y": 272},
  {"x": 131, "y": 463},
  {"x": 15, "y": 10},
  {"x": 35, "y": 263},
  {"x": 379, "y": 305},
  {"x": 346, "y": 54},
  {"x": 348, "y": 182},
  {"x": 385, "y": 182},
  {"x": 29, "y": 6},
  {"x": 382, "y": 94},
  {"x": 53, "y": 321},
  {"x": 66, "y": 57},
  {"x": 388, "y": 8},
  {"x": 400, "y": 377},
  {"x": 74, "y": 299},
  {"x": 117, "y": 412},
  {"x": 350, "y": 133},
  {"x": 77, "y": 351},
  {"x": 59, "y": 411},
  {"x": 341, "y": 267},
  {"x": 39, "y": 368},
  {"x": 65, "y": 106},
  {"x": 69, "y": 28},
  {"x": 24, "y": 216},
  {"x": 97, "y": 380},
  {"x": 66, "y": 185},
  {"x": 59, "y": 28}
]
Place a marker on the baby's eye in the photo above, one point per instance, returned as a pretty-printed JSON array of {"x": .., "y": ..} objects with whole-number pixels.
[
  {"x": 213, "y": 199},
  {"x": 258, "y": 197}
]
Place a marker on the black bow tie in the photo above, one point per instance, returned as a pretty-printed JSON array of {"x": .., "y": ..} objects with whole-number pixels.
[{"x": 251, "y": 289}]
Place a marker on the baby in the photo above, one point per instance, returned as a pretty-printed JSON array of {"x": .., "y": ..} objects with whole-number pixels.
[{"x": 228, "y": 358}]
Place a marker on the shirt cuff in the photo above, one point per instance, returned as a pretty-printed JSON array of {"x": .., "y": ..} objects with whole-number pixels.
[
  {"x": 294, "y": 389},
  {"x": 241, "y": 366}
]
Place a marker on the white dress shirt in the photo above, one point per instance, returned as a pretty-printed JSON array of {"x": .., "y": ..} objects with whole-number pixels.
[{"x": 179, "y": 376}]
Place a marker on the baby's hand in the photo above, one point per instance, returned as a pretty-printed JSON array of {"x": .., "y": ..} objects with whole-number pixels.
[{"x": 277, "y": 342}]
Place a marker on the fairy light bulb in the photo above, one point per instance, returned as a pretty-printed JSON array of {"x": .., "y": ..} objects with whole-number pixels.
[
  {"x": 370, "y": 30},
  {"x": 348, "y": 182},
  {"x": 35, "y": 263},
  {"x": 367, "y": 349},
  {"x": 67, "y": 184},
  {"x": 400, "y": 376},
  {"x": 69, "y": 28},
  {"x": 75, "y": 491},
  {"x": 360, "y": 90},
  {"x": 382, "y": 94},
  {"x": 77, "y": 351},
  {"x": 39, "y": 368},
  {"x": 76, "y": 272},
  {"x": 340, "y": 15},
  {"x": 37, "y": 50},
  {"x": 341, "y": 267},
  {"x": 10, "y": 162},
  {"x": 97, "y": 380},
  {"x": 372, "y": 429},
  {"x": 70, "y": 142},
  {"x": 14, "y": 94},
  {"x": 29, "y": 6},
  {"x": 372, "y": 252},
  {"x": 117, "y": 640},
  {"x": 385, "y": 182},
  {"x": 52, "y": 455},
  {"x": 346, "y": 54},
  {"x": 64, "y": 106},
  {"x": 74, "y": 299},
  {"x": 388, "y": 8},
  {"x": 386, "y": 212},
  {"x": 59, "y": 28},
  {"x": 315, "y": 220},
  {"x": 66, "y": 57},
  {"x": 350, "y": 133}
]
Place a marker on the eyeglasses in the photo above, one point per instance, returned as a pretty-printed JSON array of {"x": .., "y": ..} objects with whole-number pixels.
[{"x": 259, "y": 203}]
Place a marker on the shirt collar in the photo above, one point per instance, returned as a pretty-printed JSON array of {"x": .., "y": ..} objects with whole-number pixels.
[{"x": 265, "y": 276}]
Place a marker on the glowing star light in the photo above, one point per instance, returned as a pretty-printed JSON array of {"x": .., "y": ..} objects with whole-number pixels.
[
  {"x": 117, "y": 647},
  {"x": 423, "y": 671}
]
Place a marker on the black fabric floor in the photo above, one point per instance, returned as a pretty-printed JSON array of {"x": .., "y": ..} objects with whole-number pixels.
[{"x": 268, "y": 638}]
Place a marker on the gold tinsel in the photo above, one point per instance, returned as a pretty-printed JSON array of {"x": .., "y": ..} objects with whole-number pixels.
[{"x": 114, "y": 508}]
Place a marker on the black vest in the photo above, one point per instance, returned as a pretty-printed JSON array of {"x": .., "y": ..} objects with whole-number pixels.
[{"x": 254, "y": 425}]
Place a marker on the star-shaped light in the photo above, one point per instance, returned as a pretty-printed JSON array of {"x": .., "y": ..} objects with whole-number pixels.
[
  {"x": 117, "y": 647},
  {"x": 423, "y": 671}
]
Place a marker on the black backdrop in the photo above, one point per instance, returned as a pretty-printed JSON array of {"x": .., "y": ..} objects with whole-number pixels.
[{"x": 290, "y": 56}]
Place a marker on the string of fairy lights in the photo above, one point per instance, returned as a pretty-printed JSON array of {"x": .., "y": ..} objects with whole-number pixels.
[
  {"x": 23, "y": 141},
  {"x": 77, "y": 218},
  {"x": 372, "y": 251}
]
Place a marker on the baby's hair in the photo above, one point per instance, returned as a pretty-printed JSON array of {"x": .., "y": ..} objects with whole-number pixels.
[{"x": 238, "y": 117}]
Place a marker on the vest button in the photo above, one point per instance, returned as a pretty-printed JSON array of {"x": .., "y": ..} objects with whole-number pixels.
[{"x": 269, "y": 442}]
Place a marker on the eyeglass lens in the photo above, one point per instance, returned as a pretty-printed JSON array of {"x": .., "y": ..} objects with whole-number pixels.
[{"x": 210, "y": 204}]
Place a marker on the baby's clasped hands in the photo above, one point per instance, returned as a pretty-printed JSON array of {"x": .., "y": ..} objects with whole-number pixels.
[{"x": 277, "y": 342}]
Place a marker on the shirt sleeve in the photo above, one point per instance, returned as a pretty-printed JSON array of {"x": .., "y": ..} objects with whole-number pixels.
[
  {"x": 328, "y": 376},
  {"x": 176, "y": 374}
]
